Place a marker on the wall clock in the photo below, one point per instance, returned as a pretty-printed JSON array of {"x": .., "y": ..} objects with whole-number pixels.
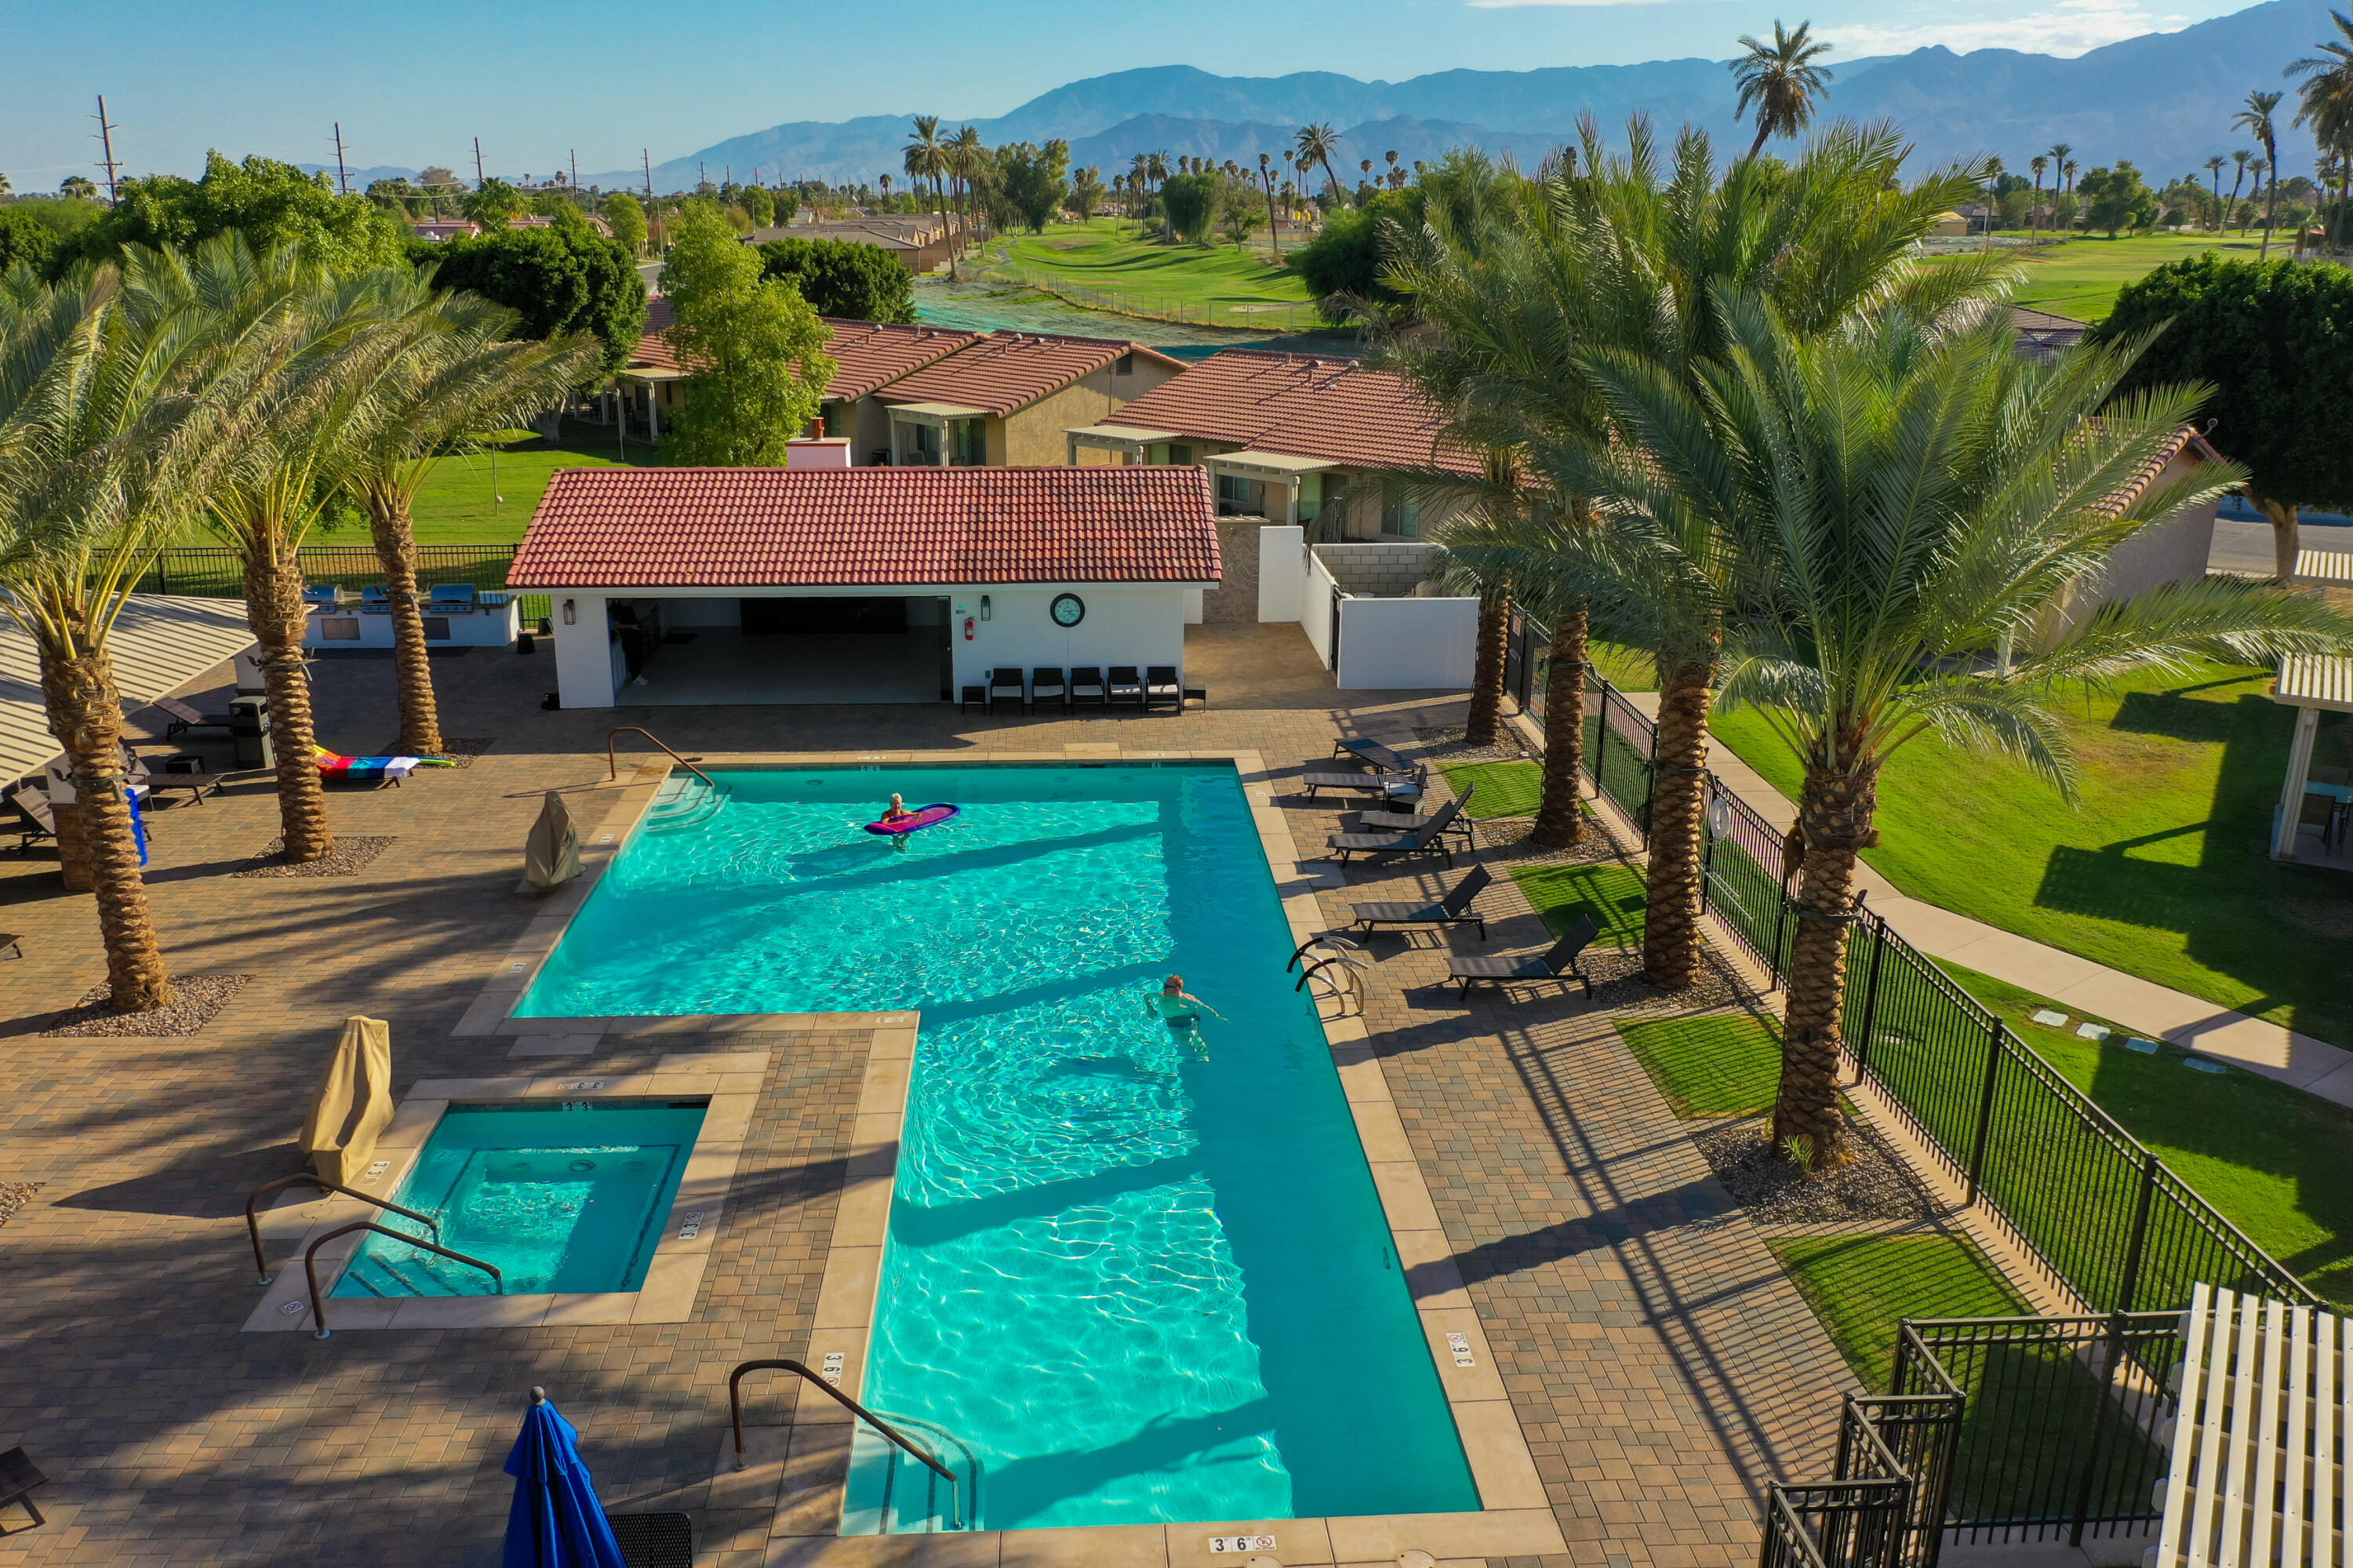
[{"x": 1068, "y": 609}]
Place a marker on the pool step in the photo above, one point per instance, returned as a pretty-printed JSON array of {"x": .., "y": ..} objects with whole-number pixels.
[{"x": 684, "y": 802}]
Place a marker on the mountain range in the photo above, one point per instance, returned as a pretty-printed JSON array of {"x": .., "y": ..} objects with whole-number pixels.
[{"x": 2163, "y": 99}]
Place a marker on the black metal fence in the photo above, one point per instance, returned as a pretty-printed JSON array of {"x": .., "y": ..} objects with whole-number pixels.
[
  {"x": 211, "y": 571},
  {"x": 2056, "y": 1173},
  {"x": 1885, "y": 1507}
]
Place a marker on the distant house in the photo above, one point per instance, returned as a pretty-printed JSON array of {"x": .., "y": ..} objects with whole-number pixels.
[
  {"x": 920, "y": 243},
  {"x": 1287, "y": 438},
  {"x": 2173, "y": 551},
  {"x": 1951, "y": 226},
  {"x": 2041, "y": 334},
  {"x": 869, "y": 357},
  {"x": 1007, "y": 399},
  {"x": 437, "y": 229}
]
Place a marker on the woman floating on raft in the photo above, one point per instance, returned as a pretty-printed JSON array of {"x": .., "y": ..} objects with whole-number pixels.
[{"x": 897, "y": 822}]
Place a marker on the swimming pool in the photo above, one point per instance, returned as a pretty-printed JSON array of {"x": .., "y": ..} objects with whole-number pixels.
[
  {"x": 559, "y": 1197},
  {"x": 1142, "y": 1275}
]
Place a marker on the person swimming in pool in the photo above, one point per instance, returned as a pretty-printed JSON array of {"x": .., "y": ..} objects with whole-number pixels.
[
  {"x": 1181, "y": 1010},
  {"x": 896, "y": 812}
]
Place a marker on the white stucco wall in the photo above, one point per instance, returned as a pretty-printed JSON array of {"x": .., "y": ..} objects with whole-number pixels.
[
  {"x": 1419, "y": 643},
  {"x": 1316, "y": 592},
  {"x": 1282, "y": 571},
  {"x": 584, "y": 659}
]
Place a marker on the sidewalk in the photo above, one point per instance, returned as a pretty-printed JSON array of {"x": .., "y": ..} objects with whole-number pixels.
[{"x": 2313, "y": 1066}]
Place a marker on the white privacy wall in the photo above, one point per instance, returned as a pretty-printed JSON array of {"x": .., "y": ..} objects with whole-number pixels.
[
  {"x": 1401, "y": 643},
  {"x": 1282, "y": 572},
  {"x": 1316, "y": 592},
  {"x": 1126, "y": 624},
  {"x": 584, "y": 655}
]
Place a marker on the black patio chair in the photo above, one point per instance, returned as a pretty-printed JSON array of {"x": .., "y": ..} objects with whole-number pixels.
[
  {"x": 1046, "y": 684},
  {"x": 1162, "y": 688},
  {"x": 1396, "y": 786},
  {"x": 35, "y": 821},
  {"x": 18, "y": 1477},
  {"x": 1556, "y": 962},
  {"x": 1428, "y": 839},
  {"x": 1414, "y": 821},
  {"x": 179, "y": 717},
  {"x": 1126, "y": 686},
  {"x": 1372, "y": 754},
  {"x": 1087, "y": 687},
  {"x": 1454, "y": 909},
  {"x": 1001, "y": 681}
]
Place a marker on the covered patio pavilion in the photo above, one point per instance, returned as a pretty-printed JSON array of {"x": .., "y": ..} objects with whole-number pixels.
[{"x": 2311, "y": 684}]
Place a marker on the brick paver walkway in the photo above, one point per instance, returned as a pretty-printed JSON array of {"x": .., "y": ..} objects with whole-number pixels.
[{"x": 1662, "y": 1366}]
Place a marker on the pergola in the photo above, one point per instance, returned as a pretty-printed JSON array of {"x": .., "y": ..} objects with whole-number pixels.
[{"x": 2312, "y": 683}]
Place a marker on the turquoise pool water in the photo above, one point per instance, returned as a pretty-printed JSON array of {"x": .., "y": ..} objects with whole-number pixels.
[
  {"x": 1142, "y": 1275},
  {"x": 557, "y": 1197}
]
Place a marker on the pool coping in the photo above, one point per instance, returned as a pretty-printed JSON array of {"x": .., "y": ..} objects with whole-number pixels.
[{"x": 801, "y": 1470}]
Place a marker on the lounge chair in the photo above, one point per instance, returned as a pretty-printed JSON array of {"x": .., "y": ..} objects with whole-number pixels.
[
  {"x": 1372, "y": 754},
  {"x": 35, "y": 821},
  {"x": 1046, "y": 684},
  {"x": 181, "y": 717},
  {"x": 1556, "y": 962},
  {"x": 1124, "y": 686},
  {"x": 1002, "y": 682},
  {"x": 1413, "y": 821},
  {"x": 1454, "y": 909},
  {"x": 447, "y": 597},
  {"x": 1162, "y": 688},
  {"x": 1431, "y": 839},
  {"x": 1395, "y": 786},
  {"x": 375, "y": 601},
  {"x": 1087, "y": 686}
]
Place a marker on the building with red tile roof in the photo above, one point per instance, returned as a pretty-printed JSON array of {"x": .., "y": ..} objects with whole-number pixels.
[
  {"x": 1007, "y": 397},
  {"x": 1290, "y": 438},
  {"x": 957, "y": 569}
]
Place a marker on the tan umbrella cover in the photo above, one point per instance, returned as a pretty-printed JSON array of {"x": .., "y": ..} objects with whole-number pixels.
[
  {"x": 551, "y": 855},
  {"x": 354, "y": 1103}
]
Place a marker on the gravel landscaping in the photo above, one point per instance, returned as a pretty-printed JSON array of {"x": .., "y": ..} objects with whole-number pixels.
[
  {"x": 196, "y": 997},
  {"x": 1875, "y": 1185},
  {"x": 351, "y": 855}
]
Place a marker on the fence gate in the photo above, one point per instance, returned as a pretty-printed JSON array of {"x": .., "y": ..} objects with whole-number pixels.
[{"x": 1886, "y": 1506}]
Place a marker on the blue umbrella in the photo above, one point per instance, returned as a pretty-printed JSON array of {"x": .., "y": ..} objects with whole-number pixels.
[{"x": 556, "y": 1520}]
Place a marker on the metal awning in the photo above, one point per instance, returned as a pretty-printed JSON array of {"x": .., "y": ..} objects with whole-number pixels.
[
  {"x": 1268, "y": 465},
  {"x": 647, "y": 373},
  {"x": 2314, "y": 681},
  {"x": 1119, "y": 435},
  {"x": 938, "y": 410},
  {"x": 158, "y": 645}
]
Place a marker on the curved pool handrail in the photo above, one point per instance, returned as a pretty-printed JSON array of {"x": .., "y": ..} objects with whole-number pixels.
[
  {"x": 310, "y": 1263},
  {"x": 253, "y": 1224},
  {"x": 1326, "y": 939},
  {"x": 735, "y": 1414},
  {"x": 613, "y": 765}
]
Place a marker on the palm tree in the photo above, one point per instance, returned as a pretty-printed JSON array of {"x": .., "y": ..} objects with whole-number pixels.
[
  {"x": 2324, "y": 102},
  {"x": 2239, "y": 156},
  {"x": 78, "y": 187},
  {"x": 1781, "y": 80},
  {"x": 926, "y": 157},
  {"x": 886, "y": 190},
  {"x": 965, "y": 155},
  {"x": 1266, "y": 179},
  {"x": 459, "y": 375},
  {"x": 2255, "y": 119},
  {"x": 1993, "y": 173},
  {"x": 1903, "y": 502},
  {"x": 2214, "y": 168},
  {"x": 1628, "y": 256},
  {"x": 2059, "y": 154},
  {"x": 2040, "y": 164},
  {"x": 1317, "y": 144}
]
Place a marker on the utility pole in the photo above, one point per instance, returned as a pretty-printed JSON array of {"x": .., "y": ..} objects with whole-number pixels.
[
  {"x": 477, "y": 163},
  {"x": 647, "y": 159},
  {"x": 575, "y": 175},
  {"x": 342, "y": 176},
  {"x": 106, "y": 141}
]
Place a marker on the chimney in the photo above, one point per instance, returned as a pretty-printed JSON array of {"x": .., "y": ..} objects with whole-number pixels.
[{"x": 816, "y": 428}]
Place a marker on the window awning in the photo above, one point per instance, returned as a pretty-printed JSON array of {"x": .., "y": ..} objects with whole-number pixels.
[
  {"x": 938, "y": 411},
  {"x": 1267, "y": 465},
  {"x": 159, "y": 644},
  {"x": 1119, "y": 435}
]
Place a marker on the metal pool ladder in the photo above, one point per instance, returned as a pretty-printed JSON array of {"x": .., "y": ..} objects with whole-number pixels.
[
  {"x": 818, "y": 1381},
  {"x": 613, "y": 765},
  {"x": 1333, "y": 969}
]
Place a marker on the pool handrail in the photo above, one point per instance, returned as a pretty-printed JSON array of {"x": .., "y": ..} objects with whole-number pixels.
[
  {"x": 253, "y": 1224},
  {"x": 735, "y": 1414},
  {"x": 613, "y": 765},
  {"x": 311, "y": 1265}
]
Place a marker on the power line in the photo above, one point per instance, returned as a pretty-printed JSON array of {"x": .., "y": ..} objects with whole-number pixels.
[{"x": 106, "y": 140}]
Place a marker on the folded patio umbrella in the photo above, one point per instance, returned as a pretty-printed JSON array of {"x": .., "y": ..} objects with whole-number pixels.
[
  {"x": 551, "y": 854},
  {"x": 354, "y": 1103},
  {"x": 556, "y": 1520}
]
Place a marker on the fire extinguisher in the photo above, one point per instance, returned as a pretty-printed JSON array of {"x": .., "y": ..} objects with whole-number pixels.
[{"x": 967, "y": 628}]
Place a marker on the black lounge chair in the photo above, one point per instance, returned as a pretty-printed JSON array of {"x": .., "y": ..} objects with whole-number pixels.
[
  {"x": 1413, "y": 821},
  {"x": 1162, "y": 688},
  {"x": 35, "y": 821},
  {"x": 1372, "y": 754},
  {"x": 1556, "y": 962},
  {"x": 1428, "y": 839},
  {"x": 1405, "y": 786},
  {"x": 1047, "y": 685},
  {"x": 180, "y": 718},
  {"x": 18, "y": 1478},
  {"x": 1003, "y": 681},
  {"x": 1454, "y": 909},
  {"x": 1087, "y": 686},
  {"x": 1124, "y": 686}
]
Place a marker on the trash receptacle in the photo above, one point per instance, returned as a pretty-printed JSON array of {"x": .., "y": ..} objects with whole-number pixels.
[{"x": 249, "y": 730}]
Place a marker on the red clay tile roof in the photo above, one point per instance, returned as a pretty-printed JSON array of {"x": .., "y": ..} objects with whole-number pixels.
[
  {"x": 869, "y": 356},
  {"x": 2184, "y": 441},
  {"x": 1008, "y": 370},
  {"x": 775, "y": 527},
  {"x": 1328, "y": 409},
  {"x": 653, "y": 351}
]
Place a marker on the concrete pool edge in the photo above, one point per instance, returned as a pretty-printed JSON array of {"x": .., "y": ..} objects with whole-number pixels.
[{"x": 805, "y": 1475}]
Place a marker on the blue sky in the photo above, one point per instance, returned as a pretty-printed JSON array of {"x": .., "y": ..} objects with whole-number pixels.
[{"x": 414, "y": 83}]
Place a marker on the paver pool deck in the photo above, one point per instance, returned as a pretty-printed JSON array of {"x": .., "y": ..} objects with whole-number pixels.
[{"x": 1660, "y": 1365}]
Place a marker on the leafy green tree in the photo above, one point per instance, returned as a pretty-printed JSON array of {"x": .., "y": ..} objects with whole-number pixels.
[
  {"x": 2116, "y": 199},
  {"x": 759, "y": 207},
  {"x": 1086, "y": 192},
  {"x": 273, "y": 205},
  {"x": 2272, "y": 339},
  {"x": 843, "y": 278},
  {"x": 1036, "y": 180},
  {"x": 627, "y": 219},
  {"x": 78, "y": 187},
  {"x": 24, "y": 238},
  {"x": 494, "y": 204},
  {"x": 1191, "y": 202},
  {"x": 562, "y": 280},
  {"x": 757, "y": 349}
]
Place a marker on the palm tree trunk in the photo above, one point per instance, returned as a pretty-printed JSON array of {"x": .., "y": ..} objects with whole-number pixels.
[
  {"x": 1560, "y": 816},
  {"x": 273, "y": 608},
  {"x": 86, "y": 716},
  {"x": 395, "y": 547},
  {"x": 1764, "y": 129},
  {"x": 1834, "y": 812},
  {"x": 2271, "y": 205},
  {"x": 1485, "y": 727},
  {"x": 1670, "y": 942}
]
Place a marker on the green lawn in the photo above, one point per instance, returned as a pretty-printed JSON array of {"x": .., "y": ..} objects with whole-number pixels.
[
  {"x": 1861, "y": 1286},
  {"x": 1109, "y": 257},
  {"x": 2162, "y": 872},
  {"x": 1506, "y": 788},
  {"x": 2080, "y": 277},
  {"x": 1711, "y": 1065},
  {"x": 457, "y": 503},
  {"x": 1612, "y": 893}
]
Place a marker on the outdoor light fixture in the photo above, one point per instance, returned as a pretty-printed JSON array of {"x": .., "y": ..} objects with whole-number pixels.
[
  {"x": 571, "y": 616},
  {"x": 984, "y": 607}
]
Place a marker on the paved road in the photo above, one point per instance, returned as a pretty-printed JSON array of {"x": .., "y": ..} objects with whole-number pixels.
[{"x": 2242, "y": 546}]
